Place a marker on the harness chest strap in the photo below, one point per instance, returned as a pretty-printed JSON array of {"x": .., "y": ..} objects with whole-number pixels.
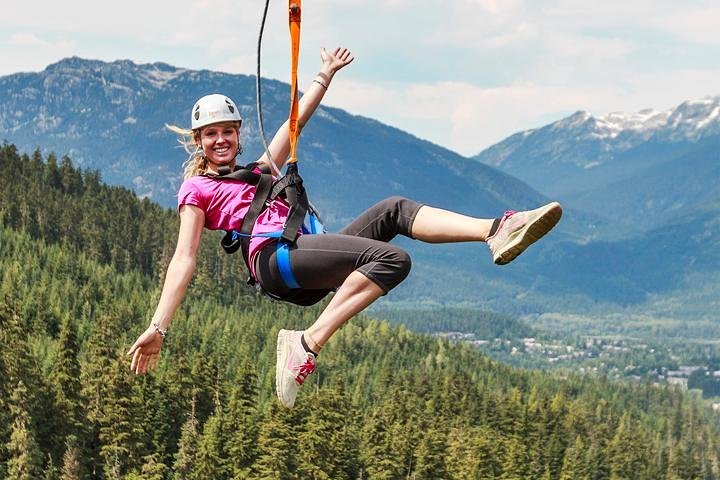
[{"x": 267, "y": 190}]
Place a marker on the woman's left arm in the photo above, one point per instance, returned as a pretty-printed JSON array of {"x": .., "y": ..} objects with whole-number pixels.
[{"x": 331, "y": 62}]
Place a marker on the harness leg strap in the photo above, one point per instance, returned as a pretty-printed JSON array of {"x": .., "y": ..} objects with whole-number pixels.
[{"x": 283, "y": 262}]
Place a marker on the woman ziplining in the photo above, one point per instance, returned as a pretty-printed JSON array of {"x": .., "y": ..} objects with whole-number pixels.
[{"x": 260, "y": 213}]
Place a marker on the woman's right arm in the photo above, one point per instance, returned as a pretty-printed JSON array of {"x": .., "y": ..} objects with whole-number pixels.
[
  {"x": 182, "y": 265},
  {"x": 146, "y": 348}
]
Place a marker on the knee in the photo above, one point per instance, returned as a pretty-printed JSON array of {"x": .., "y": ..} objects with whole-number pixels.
[
  {"x": 401, "y": 264},
  {"x": 395, "y": 204}
]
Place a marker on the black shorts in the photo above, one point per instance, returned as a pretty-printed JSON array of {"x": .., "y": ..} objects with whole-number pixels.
[{"x": 321, "y": 263}]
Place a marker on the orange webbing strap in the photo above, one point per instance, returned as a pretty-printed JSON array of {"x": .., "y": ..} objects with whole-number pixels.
[{"x": 294, "y": 11}]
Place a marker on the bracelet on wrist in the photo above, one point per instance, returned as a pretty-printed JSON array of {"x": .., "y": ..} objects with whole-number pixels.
[
  {"x": 320, "y": 83},
  {"x": 159, "y": 330},
  {"x": 324, "y": 77}
]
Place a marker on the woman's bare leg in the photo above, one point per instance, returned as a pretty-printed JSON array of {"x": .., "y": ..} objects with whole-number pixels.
[
  {"x": 353, "y": 296},
  {"x": 435, "y": 225},
  {"x": 432, "y": 225},
  {"x": 294, "y": 363}
]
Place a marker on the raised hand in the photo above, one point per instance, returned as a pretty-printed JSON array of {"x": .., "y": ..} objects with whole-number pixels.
[{"x": 337, "y": 59}]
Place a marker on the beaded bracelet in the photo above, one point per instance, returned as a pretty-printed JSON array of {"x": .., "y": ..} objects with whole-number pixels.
[{"x": 159, "y": 330}]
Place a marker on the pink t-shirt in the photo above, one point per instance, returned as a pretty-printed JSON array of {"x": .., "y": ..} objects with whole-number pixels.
[{"x": 225, "y": 203}]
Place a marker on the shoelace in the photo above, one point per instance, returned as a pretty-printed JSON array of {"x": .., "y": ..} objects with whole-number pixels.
[
  {"x": 305, "y": 369},
  {"x": 506, "y": 215}
]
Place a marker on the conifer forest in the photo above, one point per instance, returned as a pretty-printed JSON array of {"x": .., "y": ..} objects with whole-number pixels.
[{"x": 81, "y": 268}]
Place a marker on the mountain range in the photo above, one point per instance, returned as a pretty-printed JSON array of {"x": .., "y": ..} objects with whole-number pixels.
[
  {"x": 631, "y": 184},
  {"x": 639, "y": 170}
]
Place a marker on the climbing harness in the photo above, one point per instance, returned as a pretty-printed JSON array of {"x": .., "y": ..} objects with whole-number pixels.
[{"x": 290, "y": 186}]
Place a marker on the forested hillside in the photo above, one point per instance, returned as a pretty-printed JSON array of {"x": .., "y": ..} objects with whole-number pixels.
[{"x": 81, "y": 266}]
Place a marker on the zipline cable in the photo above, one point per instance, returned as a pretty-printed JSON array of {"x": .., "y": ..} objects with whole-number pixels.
[{"x": 258, "y": 93}]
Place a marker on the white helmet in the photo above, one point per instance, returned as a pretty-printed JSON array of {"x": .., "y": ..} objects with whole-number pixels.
[{"x": 214, "y": 108}]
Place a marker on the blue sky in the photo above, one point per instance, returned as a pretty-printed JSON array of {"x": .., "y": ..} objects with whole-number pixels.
[{"x": 462, "y": 73}]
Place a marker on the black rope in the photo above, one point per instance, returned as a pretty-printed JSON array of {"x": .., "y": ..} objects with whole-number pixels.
[{"x": 258, "y": 96}]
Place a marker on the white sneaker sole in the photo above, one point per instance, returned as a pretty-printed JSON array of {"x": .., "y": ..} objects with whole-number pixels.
[
  {"x": 282, "y": 358},
  {"x": 547, "y": 217}
]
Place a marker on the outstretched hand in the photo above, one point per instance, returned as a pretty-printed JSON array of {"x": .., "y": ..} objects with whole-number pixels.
[
  {"x": 145, "y": 351},
  {"x": 337, "y": 59}
]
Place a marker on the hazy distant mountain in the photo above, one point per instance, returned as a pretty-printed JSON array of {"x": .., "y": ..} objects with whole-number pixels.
[
  {"x": 111, "y": 116},
  {"x": 655, "y": 176}
]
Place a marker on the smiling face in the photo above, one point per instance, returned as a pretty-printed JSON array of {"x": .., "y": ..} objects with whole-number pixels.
[{"x": 220, "y": 142}]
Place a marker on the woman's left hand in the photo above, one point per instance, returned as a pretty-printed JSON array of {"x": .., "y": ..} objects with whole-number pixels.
[{"x": 337, "y": 59}]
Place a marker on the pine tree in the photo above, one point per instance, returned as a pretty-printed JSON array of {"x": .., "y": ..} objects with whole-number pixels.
[
  {"x": 242, "y": 422},
  {"x": 515, "y": 460},
  {"x": 72, "y": 467},
  {"x": 575, "y": 464},
  {"x": 212, "y": 461},
  {"x": 118, "y": 433},
  {"x": 152, "y": 469},
  {"x": 26, "y": 460},
  {"x": 430, "y": 454},
  {"x": 51, "y": 471},
  {"x": 377, "y": 452},
  {"x": 327, "y": 441},
  {"x": 601, "y": 435},
  {"x": 106, "y": 388},
  {"x": 628, "y": 456},
  {"x": 277, "y": 441},
  {"x": 683, "y": 463},
  {"x": 5, "y": 388},
  {"x": 65, "y": 380},
  {"x": 535, "y": 433},
  {"x": 70, "y": 177},
  {"x": 157, "y": 411},
  {"x": 21, "y": 366},
  {"x": 186, "y": 456},
  {"x": 556, "y": 437},
  {"x": 473, "y": 452}
]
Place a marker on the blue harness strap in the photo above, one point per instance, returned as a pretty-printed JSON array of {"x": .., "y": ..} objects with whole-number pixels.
[
  {"x": 283, "y": 248},
  {"x": 283, "y": 262}
]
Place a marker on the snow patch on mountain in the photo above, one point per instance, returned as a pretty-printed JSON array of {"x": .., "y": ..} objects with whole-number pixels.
[{"x": 685, "y": 122}]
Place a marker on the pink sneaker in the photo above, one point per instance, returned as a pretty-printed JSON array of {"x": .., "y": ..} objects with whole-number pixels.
[
  {"x": 519, "y": 230},
  {"x": 293, "y": 366}
]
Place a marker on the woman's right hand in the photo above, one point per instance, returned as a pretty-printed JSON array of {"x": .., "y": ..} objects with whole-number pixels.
[{"x": 145, "y": 351}]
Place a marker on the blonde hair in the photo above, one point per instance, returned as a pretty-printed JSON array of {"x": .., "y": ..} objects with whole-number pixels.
[{"x": 197, "y": 162}]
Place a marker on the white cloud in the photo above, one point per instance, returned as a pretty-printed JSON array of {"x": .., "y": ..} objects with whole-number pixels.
[
  {"x": 26, "y": 51},
  {"x": 693, "y": 24},
  {"x": 246, "y": 64},
  {"x": 468, "y": 118},
  {"x": 26, "y": 39},
  {"x": 464, "y": 73},
  {"x": 458, "y": 115}
]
